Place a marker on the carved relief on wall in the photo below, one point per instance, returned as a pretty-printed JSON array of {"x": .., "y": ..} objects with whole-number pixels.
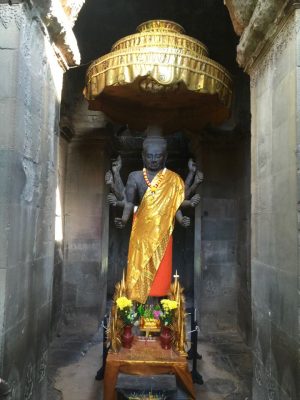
[
  {"x": 10, "y": 14},
  {"x": 29, "y": 381},
  {"x": 269, "y": 58},
  {"x": 14, "y": 383},
  {"x": 42, "y": 366},
  {"x": 72, "y": 8}
]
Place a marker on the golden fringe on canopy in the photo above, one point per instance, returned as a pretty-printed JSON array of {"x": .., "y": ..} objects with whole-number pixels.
[{"x": 158, "y": 68}]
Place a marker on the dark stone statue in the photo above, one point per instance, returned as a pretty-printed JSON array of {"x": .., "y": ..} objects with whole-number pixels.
[
  {"x": 154, "y": 157},
  {"x": 159, "y": 195}
]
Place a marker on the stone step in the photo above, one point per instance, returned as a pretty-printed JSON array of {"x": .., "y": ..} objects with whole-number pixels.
[{"x": 163, "y": 386}]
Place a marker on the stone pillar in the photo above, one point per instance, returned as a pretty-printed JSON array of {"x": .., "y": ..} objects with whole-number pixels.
[
  {"x": 275, "y": 195},
  {"x": 269, "y": 51}
]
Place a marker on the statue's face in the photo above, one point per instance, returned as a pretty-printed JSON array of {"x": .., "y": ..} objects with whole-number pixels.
[{"x": 154, "y": 157}]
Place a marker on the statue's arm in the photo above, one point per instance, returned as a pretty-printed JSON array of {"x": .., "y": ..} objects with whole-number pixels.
[
  {"x": 182, "y": 220},
  {"x": 130, "y": 194},
  {"x": 118, "y": 183},
  {"x": 192, "y": 170},
  {"x": 113, "y": 201},
  {"x": 193, "y": 202},
  {"x": 198, "y": 179}
]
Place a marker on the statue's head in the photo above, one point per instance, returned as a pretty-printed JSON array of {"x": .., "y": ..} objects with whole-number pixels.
[{"x": 154, "y": 150}]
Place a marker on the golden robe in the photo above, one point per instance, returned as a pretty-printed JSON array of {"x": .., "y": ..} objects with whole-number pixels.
[{"x": 152, "y": 227}]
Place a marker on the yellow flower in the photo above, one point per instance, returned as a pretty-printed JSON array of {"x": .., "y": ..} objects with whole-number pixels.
[
  {"x": 168, "y": 304},
  {"x": 123, "y": 302}
]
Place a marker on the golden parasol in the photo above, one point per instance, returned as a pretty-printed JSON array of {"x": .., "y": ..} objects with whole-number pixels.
[{"x": 159, "y": 76}]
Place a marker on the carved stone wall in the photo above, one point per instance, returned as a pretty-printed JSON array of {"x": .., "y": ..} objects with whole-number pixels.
[
  {"x": 240, "y": 12},
  {"x": 58, "y": 17},
  {"x": 258, "y": 22},
  {"x": 86, "y": 213},
  {"x": 275, "y": 231},
  {"x": 30, "y": 89}
]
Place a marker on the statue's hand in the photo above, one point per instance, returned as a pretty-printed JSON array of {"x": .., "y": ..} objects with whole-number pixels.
[
  {"x": 111, "y": 199},
  {"x": 119, "y": 223},
  {"x": 109, "y": 179},
  {"x": 195, "y": 200},
  {"x": 185, "y": 222},
  {"x": 198, "y": 177},
  {"x": 117, "y": 164},
  {"x": 192, "y": 165}
]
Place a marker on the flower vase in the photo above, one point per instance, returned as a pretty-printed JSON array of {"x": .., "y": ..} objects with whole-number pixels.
[
  {"x": 127, "y": 337},
  {"x": 165, "y": 337}
]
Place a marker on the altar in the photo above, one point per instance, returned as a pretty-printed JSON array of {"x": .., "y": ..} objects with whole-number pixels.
[{"x": 146, "y": 358}]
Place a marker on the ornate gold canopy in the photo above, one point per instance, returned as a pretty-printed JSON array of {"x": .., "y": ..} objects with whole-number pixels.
[{"x": 159, "y": 76}]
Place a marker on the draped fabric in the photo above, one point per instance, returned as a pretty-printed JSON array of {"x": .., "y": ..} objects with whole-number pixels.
[
  {"x": 152, "y": 227},
  {"x": 162, "y": 281}
]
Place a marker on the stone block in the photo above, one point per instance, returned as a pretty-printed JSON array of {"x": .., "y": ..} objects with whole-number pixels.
[
  {"x": 18, "y": 294},
  {"x": 264, "y": 280},
  {"x": 12, "y": 129},
  {"x": 262, "y": 193},
  {"x": 43, "y": 317},
  {"x": 244, "y": 315},
  {"x": 283, "y": 146},
  {"x": 19, "y": 348},
  {"x": 218, "y": 208},
  {"x": 69, "y": 295},
  {"x": 286, "y": 358},
  {"x": 219, "y": 304},
  {"x": 259, "y": 387},
  {"x": 87, "y": 204},
  {"x": 263, "y": 239},
  {"x": 2, "y": 310},
  {"x": 57, "y": 292},
  {"x": 211, "y": 322},
  {"x": 283, "y": 298},
  {"x": 218, "y": 188},
  {"x": 219, "y": 251},
  {"x": 282, "y": 101},
  {"x": 219, "y": 279},
  {"x": 83, "y": 250},
  {"x": 219, "y": 228},
  {"x": 12, "y": 176},
  {"x": 284, "y": 64},
  {"x": 263, "y": 154},
  {"x": 8, "y": 62},
  {"x": 44, "y": 244},
  {"x": 21, "y": 234},
  {"x": 79, "y": 227},
  {"x": 263, "y": 116},
  {"x": 4, "y": 236},
  {"x": 159, "y": 385},
  {"x": 88, "y": 286},
  {"x": 42, "y": 280},
  {"x": 261, "y": 327},
  {"x": 10, "y": 32}
]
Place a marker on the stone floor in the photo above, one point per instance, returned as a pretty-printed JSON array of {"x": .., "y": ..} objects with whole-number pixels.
[{"x": 75, "y": 357}]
